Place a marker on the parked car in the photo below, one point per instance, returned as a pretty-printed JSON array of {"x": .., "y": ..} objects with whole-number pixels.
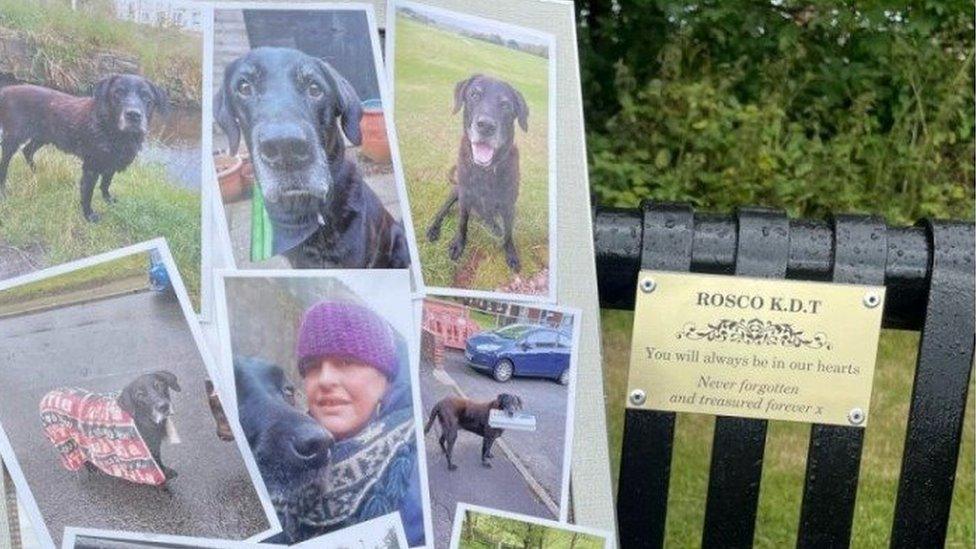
[{"x": 524, "y": 350}]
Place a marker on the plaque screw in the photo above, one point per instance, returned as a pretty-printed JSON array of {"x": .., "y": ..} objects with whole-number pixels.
[
  {"x": 648, "y": 285},
  {"x": 637, "y": 397},
  {"x": 856, "y": 416},
  {"x": 871, "y": 300}
]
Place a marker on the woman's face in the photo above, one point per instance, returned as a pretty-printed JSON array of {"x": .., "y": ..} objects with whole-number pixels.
[{"x": 343, "y": 393}]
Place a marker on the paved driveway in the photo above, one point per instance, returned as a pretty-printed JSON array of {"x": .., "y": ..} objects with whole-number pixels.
[{"x": 502, "y": 486}]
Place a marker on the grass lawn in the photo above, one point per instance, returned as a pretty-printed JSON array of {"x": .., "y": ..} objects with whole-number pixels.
[
  {"x": 42, "y": 210},
  {"x": 67, "y": 42},
  {"x": 429, "y": 62},
  {"x": 786, "y": 450}
]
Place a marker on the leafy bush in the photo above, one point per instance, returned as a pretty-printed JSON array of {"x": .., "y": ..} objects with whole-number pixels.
[{"x": 813, "y": 107}]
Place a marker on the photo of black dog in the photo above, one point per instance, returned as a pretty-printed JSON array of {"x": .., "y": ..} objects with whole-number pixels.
[
  {"x": 454, "y": 413},
  {"x": 291, "y": 448},
  {"x": 485, "y": 179},
  {"x": 295, "y": 112},
  {"x": 119, "y": 434},
  {"x": 106, "y": 131}
]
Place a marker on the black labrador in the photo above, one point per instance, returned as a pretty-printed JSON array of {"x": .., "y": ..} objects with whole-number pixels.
[
  {"x": 455, "y": 413},
  {"x": 290, "y": 106},
  {"x": 105, "y": 130},
  {"x": 291, "y": 449},
  {"x": 485, "y": 179},
  {"x": 147, "y": 400}
]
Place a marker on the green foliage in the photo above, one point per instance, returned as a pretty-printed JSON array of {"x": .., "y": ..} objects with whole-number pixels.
[
  {"x": 481, "y": 530},
  {"x": 814, "y": 107}
]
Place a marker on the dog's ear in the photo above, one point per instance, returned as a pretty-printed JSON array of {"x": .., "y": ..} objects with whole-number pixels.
[
  {"x": 169, "y": 378},
  {"x": 350, "y": 106},
  {"x": 100, "y": 92},
  {"x": 521, "y": 110},
  {"x": 227, "y": 120},
  {"x": 460, "y": 89},
  {"x": 160, "y": 97}
]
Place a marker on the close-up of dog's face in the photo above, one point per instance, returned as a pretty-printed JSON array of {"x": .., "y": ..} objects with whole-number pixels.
[
  {"x": 291, "y": 449},
  {"x": 289, "y": 108},
  {"x": 491, "y": 108},
  {"x": 147, "y": 397},
  {"x": 510, "y": 404},
  {"x": 127, "y": 102}
]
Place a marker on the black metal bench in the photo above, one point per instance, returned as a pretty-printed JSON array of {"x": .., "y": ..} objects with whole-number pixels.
[{"x": 929, "y": 274}]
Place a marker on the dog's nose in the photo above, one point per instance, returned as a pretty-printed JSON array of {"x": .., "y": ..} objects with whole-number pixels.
[
  {"x": 312, "y": 444},
  {"x": 133, "y": 116},
  {"x": 285, "y": 146},
  {"x": 486, "y": 127}
]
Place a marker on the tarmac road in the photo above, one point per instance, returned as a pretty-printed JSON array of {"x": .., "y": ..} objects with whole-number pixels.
[
  {"x": 540, "y": 450},
  {"x": 501, "y": 486},
  {"x": 101, "y": 346}
]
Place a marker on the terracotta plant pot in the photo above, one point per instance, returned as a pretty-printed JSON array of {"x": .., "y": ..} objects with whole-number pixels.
[
  {"x": 229, "y": 177},
  {"x": 373, "y": 125}
]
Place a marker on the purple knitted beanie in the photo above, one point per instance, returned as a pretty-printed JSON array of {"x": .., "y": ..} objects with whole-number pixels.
[{"x": 335, "y": 328}]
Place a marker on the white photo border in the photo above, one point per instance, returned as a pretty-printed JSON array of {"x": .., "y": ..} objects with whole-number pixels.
[
  {"x": 9, "y": 457},
  {"x": 223, "y": 232},
  {"x": 550, "y": 39},
  {"x": 568, "y": 436},
  {"x": 226, "y": 358},
  {"x": 565, "y": 526},
  {"x": 71, "y": 535}
]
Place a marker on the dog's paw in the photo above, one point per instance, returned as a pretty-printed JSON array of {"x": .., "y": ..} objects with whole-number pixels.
[
  {"x": 92, "y": 217},
  {"x": 433, "y": 233},
  {"x": 456, "y": 249},
  {"x": 485, "y": 464},
  {"x": 109, "y": 199},
  {"x": 451, "y": 467},
  {"x": 489, "y": 455}
]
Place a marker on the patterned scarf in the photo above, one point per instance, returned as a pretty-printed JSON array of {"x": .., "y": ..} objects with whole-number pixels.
[{"x": 369, "y": 477}]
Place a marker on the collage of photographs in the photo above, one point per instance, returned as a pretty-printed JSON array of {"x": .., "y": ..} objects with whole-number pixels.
[
  {"x": 318, "y": 307},
  {"x": 487, "y": 274}
]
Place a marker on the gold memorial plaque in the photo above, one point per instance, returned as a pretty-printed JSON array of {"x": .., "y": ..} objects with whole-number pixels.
[{"x": 754, "y": 347}]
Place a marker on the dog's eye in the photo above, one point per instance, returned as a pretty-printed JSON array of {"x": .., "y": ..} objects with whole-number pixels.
[
  {"x": 288, "y": 390},
  {"x": 475, "y": 94},
  {"x": 506, "y": 105},
  {"x": 245, "y": 88},
  {"x": 314, "y": 90}
]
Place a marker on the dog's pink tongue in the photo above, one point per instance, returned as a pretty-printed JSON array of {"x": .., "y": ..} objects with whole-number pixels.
[{"x": 482, "y": 152}]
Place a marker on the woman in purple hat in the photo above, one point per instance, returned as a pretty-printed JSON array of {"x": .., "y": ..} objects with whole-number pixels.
[{"x": 357, "y": 381}]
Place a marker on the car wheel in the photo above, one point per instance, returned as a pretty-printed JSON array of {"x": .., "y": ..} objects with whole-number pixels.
[
  {"x": 503, "y": 370},
  {"x": 564, "y": 377}
]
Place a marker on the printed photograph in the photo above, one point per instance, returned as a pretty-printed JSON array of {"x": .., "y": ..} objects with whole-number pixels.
[
  {"x": 385, "y": 532},
  {"x": 474, "y": 105},
  {"x": 497, "y": 383},
  {"x": 106, "y": 99},
  {"x": 110, "y": 417},
  {"x": 303, "y": 145},
  {"x": 325, "y": 394},
  {"x": 87, "y": 538},
  {"x": 481, "y": 528}
]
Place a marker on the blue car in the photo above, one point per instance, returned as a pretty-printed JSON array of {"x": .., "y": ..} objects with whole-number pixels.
[{"x": 520, "y": 350}]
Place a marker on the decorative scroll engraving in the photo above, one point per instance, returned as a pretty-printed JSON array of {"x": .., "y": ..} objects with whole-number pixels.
[{"x": 754, "y": 332}]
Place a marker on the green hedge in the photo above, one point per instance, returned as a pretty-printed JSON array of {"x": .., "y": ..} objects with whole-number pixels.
[{"x": 814, "y": 107}]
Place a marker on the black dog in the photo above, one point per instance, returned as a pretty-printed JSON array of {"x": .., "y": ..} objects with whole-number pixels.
[
  {"x": 454, "y": 413},
  {"x": 486, "y": 177},
  {"x": 106, "y": 130},
  {"x": 147, "y": 400},
  {"x": 291, "y": 449},
  {"x": 290, "y": 107}
]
